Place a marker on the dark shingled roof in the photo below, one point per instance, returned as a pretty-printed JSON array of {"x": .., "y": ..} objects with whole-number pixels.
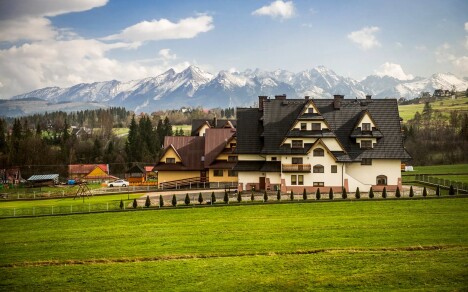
[
  {"x": 215, "y": 141},
  {"x": 190, "y": 149},
  {"x": 264, "y": 131}
]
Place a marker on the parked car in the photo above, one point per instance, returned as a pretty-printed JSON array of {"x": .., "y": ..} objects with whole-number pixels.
[{"x": 118, "y": 183}]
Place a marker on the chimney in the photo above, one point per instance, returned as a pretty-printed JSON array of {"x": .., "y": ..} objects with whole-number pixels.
[
  {"x": 337, "y": 101},
  {"x": 368, "y": 97},
  {"x": 215, "y": 122},
  {"x": 261, "y": 100},
  {"x": 306, "y": 97},
  {"x": 280, "y": 97}
]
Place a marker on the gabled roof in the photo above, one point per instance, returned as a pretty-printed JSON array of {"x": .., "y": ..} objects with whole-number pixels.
[
  {"x": 214, "y": 123},
  {"x": 363, "y": 114},
  {"x": 136, "y": 169},
  {"x": 41, "y": 177},
  {"x": 215, "y": 142},
  {"x": 190, "y": 149},
  {"x": 85, "y": 168},
  {"x": 263, "y": 131}
]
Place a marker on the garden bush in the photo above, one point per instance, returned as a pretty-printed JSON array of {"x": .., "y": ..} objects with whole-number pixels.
[
  {"x": 397, "y": 193},
  {"x": 371, "y": 193},
  {"x": 292, "y": 195},
  {"x": 317, "y": 194},
  {"x": 358, "y": 193},
  {"x": 265, "y": 196},
  {"x": 147, "y": 202},
  {"x": 278, "y": 195},
  {"x": 174, "y": 200},
  {"x": 135, "y": 203},
  {"x": 200, "y": 198},
  {"x": 121, "y": 204},
  {"x": 330, "y": 194},
  {"x": 187, "y": 199},
  {"x": 252, "y": 197},
  {"x": 239, "y": 197},
  {"x": 411, "y": 192},
  {"x": 161, "y": 201},
  {"x": 213, "y": 198},
  {"x": 226, "y": 197},
  {"x": 451, "y": 191},
  {"x": 438, "y": 191},
  {"x": 304, "y": 194},
  {"x": 344, "y": 194},
  {"x": 384, "y": 193},
  {"x": 424, "y": 192}
]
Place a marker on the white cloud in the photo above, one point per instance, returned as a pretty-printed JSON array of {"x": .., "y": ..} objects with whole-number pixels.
[
  {"x": 466, "y": 26},
  {"x": 461, "y": 65},
  {"x": 164, "y": 29},
  {"x": 393, "y": 70},
  {"x": 444, "y": 53},
  {"x": 466, "y": 42},
  {"x": 365, "y": 37},
  {"x": 420, "y": 47},
  {"x": 399, "y": 45},
  {"x": 280, "y": 9},
  {"x": 166, "y": 54}
]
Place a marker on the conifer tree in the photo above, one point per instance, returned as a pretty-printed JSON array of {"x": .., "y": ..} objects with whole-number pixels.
[
  {"x": 330, "y": 194},
  {"x": 148, "y": 202},
  {"x": 265, "y": 196},
  {"x": 135, "y": 203},
  {"x": 161, "y": 201},
  {"x": 451, "y": 191},
  {"x": 213, "y": 198},
  {"x": 344, "y": 194},
  {"x": 187, "y": 199},
  {"x": 292, "y": 195},
  {"x": 200, "y": 198},
  {"x": 371, "y": 193},
  {"x": 304, "y": 194},
  {"x": 424, "y": 192},
  {"x": 278, "y": 195},
  {"x": 239, "y": 197},
  {"x": 358, "y": 193},
  {"x": 397, "y": 192},
  {"x": 174, "y": 200},
  {"x": 411, "y": 192},
  {"x": 121, "y": 204},
  {"x": 384, "y": 193},
  {"x": 226, "y": 197},
  {"x": 438, "y": 191},
  {"x": 317, "y": 194},
  {"x": 252, "y": 197}
]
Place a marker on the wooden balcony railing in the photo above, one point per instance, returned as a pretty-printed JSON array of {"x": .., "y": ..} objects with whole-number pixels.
[{"x": 296, "y": 167}]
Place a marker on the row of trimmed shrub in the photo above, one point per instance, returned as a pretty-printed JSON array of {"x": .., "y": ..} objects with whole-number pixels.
[{"x": 318, "y": 196}]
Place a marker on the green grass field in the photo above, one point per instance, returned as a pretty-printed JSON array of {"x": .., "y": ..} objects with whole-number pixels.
[
  {"x": 371, "y": 245},
  {"x": 445, "y": 106},
  {"x": 456, "y": 172}
]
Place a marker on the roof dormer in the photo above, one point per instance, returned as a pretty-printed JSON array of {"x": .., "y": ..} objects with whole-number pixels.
[{"x": 366, "y": 123}]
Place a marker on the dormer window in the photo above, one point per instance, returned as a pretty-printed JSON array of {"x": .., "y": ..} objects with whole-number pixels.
[
  {"x": 170, "y": 160},
  {"x": 310, "y": 110},
  {"x": 366, "y": 127},
  {"x": 296, "y": 144},
  {"x": 316, "y": 126},
  {"x": 303, "y": 126},
  {"x": 366, "y": 144}
]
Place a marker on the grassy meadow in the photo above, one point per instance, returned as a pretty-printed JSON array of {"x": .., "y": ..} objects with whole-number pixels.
[
  {"x": 371, "y": 245},
  {"x": 445, "y": 106}
]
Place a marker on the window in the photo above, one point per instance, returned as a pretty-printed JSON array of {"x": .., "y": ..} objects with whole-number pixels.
[
  {"x": 232, "y": 158},
  {"x": 296, "y": 160},
  {"x": 232, "y": 172},
  {"x": 319, "y": 168},
  {"x": 296, "y": 144},
  {"x": 274, "y": 158},
  {"x": 233, "y": 145},
  {"x": 318, "y": 184},
  {"x": 170, "y": 160},
  {"x": 366, "y": 127},
  {"x": 334, "y": 169},
  {"x": 310, "y": 110},
  {"x": 218, "y": 172},
  {"x": 293, "y": 180},
  {"x": 300, "y": 180},
  {"x": 366, "y": 144},
  {"x": 303, "y": 126},
  {"x": 316, "y": 126},
  {"x": 366, "y": 161},
  {"x": 382, "y": 180},
  {"x": 319, "y": 152}
]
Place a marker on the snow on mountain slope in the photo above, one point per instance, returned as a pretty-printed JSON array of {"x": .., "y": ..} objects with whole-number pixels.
[{"x": 195, "y": 87}]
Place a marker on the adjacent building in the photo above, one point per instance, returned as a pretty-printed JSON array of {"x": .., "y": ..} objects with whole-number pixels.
[{"x": 292, "y": 144}]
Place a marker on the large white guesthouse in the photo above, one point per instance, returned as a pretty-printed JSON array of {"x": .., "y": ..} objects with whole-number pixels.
[{"x": 292, "y": 144}]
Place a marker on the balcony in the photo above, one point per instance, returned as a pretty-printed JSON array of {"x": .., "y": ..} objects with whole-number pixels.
[{"x": 296, "y": 168}]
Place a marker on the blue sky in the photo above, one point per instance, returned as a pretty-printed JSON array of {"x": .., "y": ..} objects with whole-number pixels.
[{"x": 62, "y": 43}]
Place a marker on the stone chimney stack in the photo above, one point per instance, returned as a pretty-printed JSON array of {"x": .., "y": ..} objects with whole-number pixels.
[
  {"x": 261, "y": 101},
  {"x": 306, "y": 97},
  {"x": 337, "y": 99},
  {"x": 280, "y": 97},
  {"x": 368, "y": 97}
]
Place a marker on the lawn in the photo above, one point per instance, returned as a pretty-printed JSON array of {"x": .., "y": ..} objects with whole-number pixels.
[
  {"x": 373, "y": 245},
  {"x": 457, "y": 172}
]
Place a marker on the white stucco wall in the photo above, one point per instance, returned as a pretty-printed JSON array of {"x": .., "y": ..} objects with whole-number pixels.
[
  {"x": 364, "y": 176},
  {"x": 366, "y": 119},
  {"x": 242, "y": 157}
]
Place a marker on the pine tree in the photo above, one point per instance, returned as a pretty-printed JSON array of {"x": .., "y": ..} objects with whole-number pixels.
[
  {"x": 424, "y": 192},
  {"x": 358, "y": 193},
  {"x": 292, "y": 195},
  {"x": 239, "y": 197},
  {"x": 200, "y": 198},
  {"x": 317, "y": 194},
  {"x": 148, "y": 202},
  {"x": 226, "y": 197},
  {"x": 411, "y": 192},
  {"x": 252, "y": 197},
  {"x": 213, "y": 198},
  {"x": 344, "y": 194},
  {"x": 161, "y": 201},
  {"x": 187, "y": 199},
  {"x": 397, "y": 192},
  {"x": 265, "y": 196},
  {"x": 121, "y": 204},
  {"x": 278, "y": 195},
  {"x": 304, "y": 194},
  {"x": 174, "y": 200},
  {"x": 135, "y": 203},
  {"x": 451, "y": 191},
  {"x": 384, "y": 193},
  {"x": 371, "y": 193},
  {"x": 330, "y": 194},
  {"x": 438, "y": 191}
]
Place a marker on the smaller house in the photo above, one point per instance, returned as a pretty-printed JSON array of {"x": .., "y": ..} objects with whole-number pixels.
[
  {"x": 199, "y": 126},
  {"x": 44, "y": 179},
  {"x": 90, "y": 172},
  {"x": 10, "y": 175},
  {"x": 136, "y": 174}
]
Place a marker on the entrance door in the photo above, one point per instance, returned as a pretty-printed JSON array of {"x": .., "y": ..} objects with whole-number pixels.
[{"x": 262, "y": 183}]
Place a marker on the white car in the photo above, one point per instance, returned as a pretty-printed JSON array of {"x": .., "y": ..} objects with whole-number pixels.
[{"x": 118, "y": 183}]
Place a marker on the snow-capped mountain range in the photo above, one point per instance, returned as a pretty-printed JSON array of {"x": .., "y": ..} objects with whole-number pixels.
[{"x": 195, "y": 87}]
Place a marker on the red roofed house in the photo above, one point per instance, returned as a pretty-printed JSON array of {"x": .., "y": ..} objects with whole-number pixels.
[{"x": 89, "y": 172}]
